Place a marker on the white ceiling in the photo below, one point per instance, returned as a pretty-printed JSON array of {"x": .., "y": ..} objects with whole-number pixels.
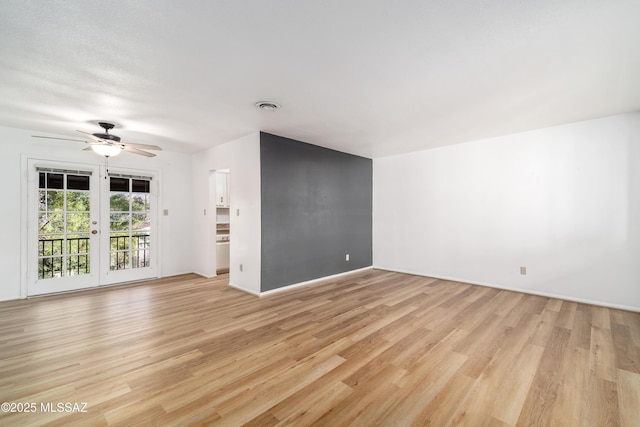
[{"x": 370, "y": 77}]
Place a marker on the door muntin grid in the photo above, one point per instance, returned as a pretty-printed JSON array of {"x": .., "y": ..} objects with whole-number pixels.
[
  {"x": 129, "y": 223},
  {"x": 63, "y": 224}
]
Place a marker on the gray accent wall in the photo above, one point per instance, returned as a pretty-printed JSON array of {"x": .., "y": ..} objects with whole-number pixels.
[{"x": 316, "y": 208}]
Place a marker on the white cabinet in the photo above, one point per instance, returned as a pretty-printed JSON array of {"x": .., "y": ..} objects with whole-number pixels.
[
  {"x": 223, "y": 224},
  {"x": 222, "y": 257},
  {"x": 222, "y": 189}
]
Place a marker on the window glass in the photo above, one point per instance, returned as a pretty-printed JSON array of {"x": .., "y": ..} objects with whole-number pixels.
[
  {"x": 77, "y": 244},
  {"x": 119, "y": 221},
  {"x": 119, "y": 184},
  {"x": 55, "y": 180},
  {"x": 78, "y": 222},
  {"x": 77, "y": 182},
  {"x": 50, "y": 245},
  {"x": 119, "y": 202},
  {"x": 51, "y": 222},
  {"x": 78, "y": 201},
  {"x": 140, "y": 202},
  {"x": 140, "y": 185},
  {"x": 52, "y": 200},
  {"x": 140, "y": 221},
  {"x": 119, "y": 241},
  {"x": 63, "y": 224},
  {"x": 119, "y": 260},
  {"x": 130, "y": 223}
]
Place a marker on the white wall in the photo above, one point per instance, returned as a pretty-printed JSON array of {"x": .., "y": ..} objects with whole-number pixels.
[
  {"x": 242, "y": 158},
  {"x": 176, "y": 232},
  {"x": 564, "y": 202}
]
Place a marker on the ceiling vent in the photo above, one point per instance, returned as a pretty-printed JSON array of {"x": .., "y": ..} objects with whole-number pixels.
[{"x": 267, "y": 105}]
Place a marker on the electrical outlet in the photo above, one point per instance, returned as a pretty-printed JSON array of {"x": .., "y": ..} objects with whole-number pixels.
[
  {"x": 523, "y": 270},
  {"x": 346, "y": 258},
  {"x": 165, "y": 212}
]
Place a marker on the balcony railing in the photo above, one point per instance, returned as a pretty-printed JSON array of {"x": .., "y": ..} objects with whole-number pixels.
[{"x": 77, "y": 255}]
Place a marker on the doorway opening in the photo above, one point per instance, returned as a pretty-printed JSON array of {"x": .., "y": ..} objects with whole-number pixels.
[{"x": 222, "y": 198}]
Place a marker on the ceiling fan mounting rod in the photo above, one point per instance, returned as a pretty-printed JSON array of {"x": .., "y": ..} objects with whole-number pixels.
[
  {"x": 106, "y": 126},
  {"x": 109, "y": 138}
]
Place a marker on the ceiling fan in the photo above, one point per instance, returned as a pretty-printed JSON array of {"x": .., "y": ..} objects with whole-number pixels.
[{"x": 108, "y": 145}]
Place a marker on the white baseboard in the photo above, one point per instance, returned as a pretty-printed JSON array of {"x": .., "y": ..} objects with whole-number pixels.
[
  {"x": 524, "y": 291},
  {"x": 311, "y": 282},
  {"x": 206, "y": 276},
  {"x": 257, "y": 294}
]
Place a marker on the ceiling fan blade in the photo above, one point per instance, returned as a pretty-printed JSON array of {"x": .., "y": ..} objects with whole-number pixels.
[
  {"x": 114, "y": 140},
  {"x": 132, "y": 150},
  {"x": 142, "y": 146},
  {"x": 62, "y": 139},
  {"x": 90, "y": 135}
]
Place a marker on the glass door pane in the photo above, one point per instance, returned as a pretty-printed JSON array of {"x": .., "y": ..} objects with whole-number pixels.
[
  {"x": 130, "y": 249},
  {"x": 86, "y": 230},
  {"x": 63, "y": 225},
  {"x": 63, "y": 246}
]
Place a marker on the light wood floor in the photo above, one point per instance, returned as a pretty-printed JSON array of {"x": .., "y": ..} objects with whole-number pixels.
[{"x": 375, "y": 348}]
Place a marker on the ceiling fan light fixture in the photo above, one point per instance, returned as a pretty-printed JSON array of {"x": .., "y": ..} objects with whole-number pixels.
[
  {"x": 106, "y": 150},
  {"x": 267, "y": 105},
  {"x": 107, "y": 136},
  {"x": 108, "y": 145}
]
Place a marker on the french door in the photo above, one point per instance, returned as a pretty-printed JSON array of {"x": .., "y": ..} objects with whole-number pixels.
[{"x": 88, "y": 227}]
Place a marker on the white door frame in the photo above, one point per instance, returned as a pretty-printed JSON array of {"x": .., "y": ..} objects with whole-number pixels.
[
  {"x": 36, "y": 286},
  {"x": 110, "y": 277},
  {"x": 99, "y": 274}
]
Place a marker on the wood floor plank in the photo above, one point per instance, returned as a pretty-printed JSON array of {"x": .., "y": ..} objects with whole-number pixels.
[
  {"x": 370, "y": 348},
  {"x": 542, "y": 396},
  {"x": 514, "y": 390},
  {"x": 423, "y": 383},
  {"x": 629, "y": 398},
  {"x": 571, "y": 400},
  {"x": 442, "y": 408},
  {"x": 603, "y": 358},
  {"x": 600, "y": 317},
  {"x": 626, "y": 353},
  {"x": 567, "y": 314},
  {"x": 310, "y": 403},
  {"x": 245, "y": 406},
  {"x": 363, "y": 407},
  {"x": 602, "y": 409}
]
